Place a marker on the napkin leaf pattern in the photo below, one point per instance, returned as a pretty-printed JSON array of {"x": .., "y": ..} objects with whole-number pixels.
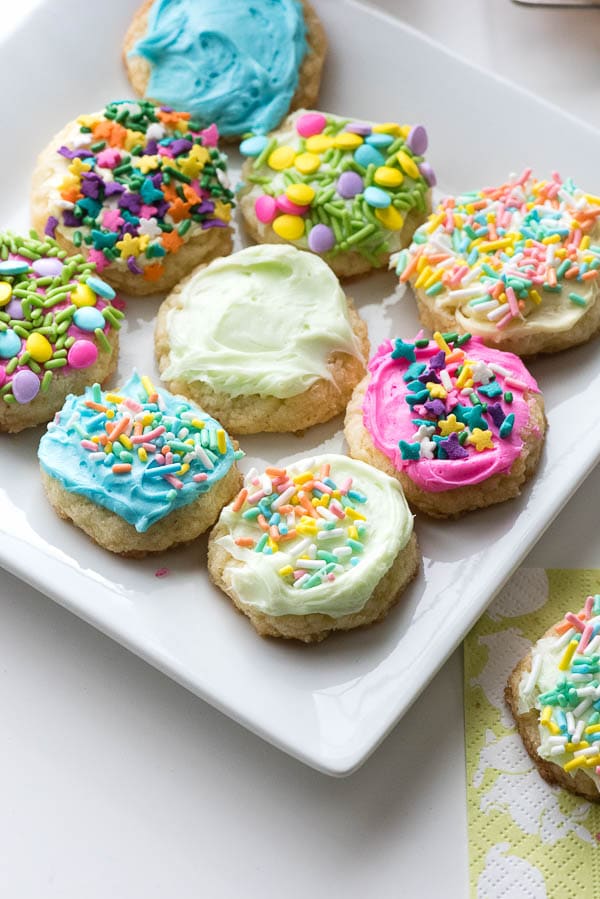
[{"x": 527, "y": 840}]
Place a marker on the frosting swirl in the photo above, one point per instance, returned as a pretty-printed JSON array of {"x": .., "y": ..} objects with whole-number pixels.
[
  {"x": 446, "y": 416},
  {"x": 327, "y": 556},
  {"x": 139, "y": 451},
  {"x": 262, "y": 321},
  {"x": 235, "y": 64}
]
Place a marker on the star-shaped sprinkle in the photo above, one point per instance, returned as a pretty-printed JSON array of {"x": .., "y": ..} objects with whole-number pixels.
[
  {"x": 436, "y": 391},
  {"x": 481, "y": 373},
  {"x": 450, "y": 425},
  {"x": 413, "y": 371},
  {"x": 481, "y": 440},
  {"x": 474, "y": 418},
  {"x": 149, "y": 227},
  {"x": 427, "y": 449},
  {"x": 147, "y": 163},
  {"x": 423, "y": 432}
]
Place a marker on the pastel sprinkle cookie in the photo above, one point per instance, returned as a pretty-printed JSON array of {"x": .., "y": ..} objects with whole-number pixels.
[
  {"x": 58, "y": 328},
  {"x": 137, "y": 469},
  {"x": 554, "y": 696},
  {"x": 516, "y": 265},
  {"x": 241, "y": 65},
  {"x": 324, "y": 544},
  {"x": 264, "y": 340},
  {"x": 351, "y": 192},
  {"x": 140, "y": 189},
  {"x": 459, "y": 424}
]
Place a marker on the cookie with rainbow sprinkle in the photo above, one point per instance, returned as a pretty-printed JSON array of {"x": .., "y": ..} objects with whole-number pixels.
[
  {"x": 322, "y": 545},
  {"x": 352, "y": 192},
  {"x": 140, "y": 190},
  {"x": 138, "y": 469},
  {"x": 459, "y": 424},
  {"x": 516, "y": 265},
  {"x": 59, "y": 329},
  {"x": 554, "y": 697},
  {"x": 242, "y": 66},
  {"x": 264, "y": 340}
]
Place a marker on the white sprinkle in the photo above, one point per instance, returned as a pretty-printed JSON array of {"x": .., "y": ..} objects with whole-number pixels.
[
  {"x": 328, "y": 535},
  {"x": 582, "y": 707},
  {"x": 301, "y": 580},
  {"x": 533, "y": 675},
  {"x": 310, "y": 564},
  {"x": 498, "y": 313}
]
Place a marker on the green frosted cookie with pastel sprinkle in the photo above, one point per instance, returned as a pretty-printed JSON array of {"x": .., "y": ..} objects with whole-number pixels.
[{"x": 352, "y": 192}]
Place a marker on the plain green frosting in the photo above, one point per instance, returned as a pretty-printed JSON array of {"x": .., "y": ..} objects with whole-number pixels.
[{"x": 262, "y": 321}]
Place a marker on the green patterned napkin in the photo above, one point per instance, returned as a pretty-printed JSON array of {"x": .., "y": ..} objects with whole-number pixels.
[{"x": 527, "y": 840}]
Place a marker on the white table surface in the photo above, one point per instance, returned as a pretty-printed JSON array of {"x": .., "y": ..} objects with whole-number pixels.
[{"x": 115, "y": 782}]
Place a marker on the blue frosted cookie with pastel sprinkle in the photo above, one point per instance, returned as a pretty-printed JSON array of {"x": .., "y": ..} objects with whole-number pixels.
[{"x": 138, "y": 469}]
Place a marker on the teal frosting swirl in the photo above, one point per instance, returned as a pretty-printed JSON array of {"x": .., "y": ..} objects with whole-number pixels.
[
  {"x": 139, "y": 496},
  {"x": 233, "y": 63}
]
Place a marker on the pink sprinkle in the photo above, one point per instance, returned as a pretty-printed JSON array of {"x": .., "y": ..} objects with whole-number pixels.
[
  {"x": 117, "y": 302},
  {"x": 144, "y": 438},
  {"x": 168, "y": 458},
  {"x": 149, "y": 447},
  {"x": 310, "y": 123},
  {"x": 98, "y": 257},
  {"x": 161, "y": 572},
  {"x": 111, "y": 219},
  {"x": 575, "y": 621},
  {"x": 109, "y": 158},
  {"x": 585, "y": 637},
  {"x": 173, "y": 481},
  {"x": 512, "y": 301},
  {"x": 265, "y": 208},
  {"x": 89, "y": 445},
  {"x": 146, "y": 212},
  {"x": 346, "y": 486},
  {"x": 589, "y": 606},
  {"x": 210, "y": 136},
  {"x": 131, "y": 404},
  {"x": 514, "y": 382},
  {"x": 256, "y": 496},
  {"x": 298, "y": 573},
  {"x": 164, "y": 151},
  {"x": 285, "y": 205},
  {"x": 323, "y": 487},
  {"x": 200, "y": 477},
  {"x": 337, "y": 510}
]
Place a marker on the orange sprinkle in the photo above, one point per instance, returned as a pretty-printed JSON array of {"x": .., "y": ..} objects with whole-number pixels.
[
  {"x": 275, "y": 472},
  {"x": 573, "y": 272},
  {"x": 410, "y": 268},
  {"x": 262, "y": 522},
  {"x": 171, "y": 241},
  {"x": 563, "y": 627},
  {"x": 120, "y": 428},
  {"x": 92, "y": 405},
  {"x": 179, "y": 210},
  {"x": 552, "y": 277},
  {"x": 239, "y": 500},
  {"x": 244, "y": 541},
  {"x": 589, "y": 276},
  {"x": 153, "y": 272},
  {"x": 289, "y": 536},
  {"x": 121, "y": 468},
  {"x": 325, "y": 470},
  {"x": 306, "y": 503},
  {"x": 274, "y": 532}
]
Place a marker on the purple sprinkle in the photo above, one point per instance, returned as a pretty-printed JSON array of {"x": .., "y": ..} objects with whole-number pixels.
[
  {"x": 73, "y": 154},
  {"x": 132, "y": 202},
  {"x": 438, "y": 360},
  {"x": 162, "y": 207},
  {"x": 452, "y": 447},
  {"x": 417, "y": 140},
  {"x": 156, "y": 179},
  {"x": 151, "y": 148},
  {"x": 181, "y": 145},
  {"x": 436, "y": 407},
  {"x": 213, "y": 223},
  {"x": 428, "y": 174},
  {"x": 349, "y": 184},
  {"x": 133, "y": 266},
  {"x": 113, "y": 187},
  {"x": 47, "y": 267},
  {"x": 498, "y": 416},
  {"x": 25, "y": 386},
  {"x": 321, "y": 239},
  {"x": 15, "y": 310},
  {"x": 429, "y": 376},
  {"x": 90, "y": 185},
  {"x": 51, "y": 225},
  {"x": 204, "y": 207},
  {"x": 70, "y": 219},
  {"x": 358, "y": 128}
]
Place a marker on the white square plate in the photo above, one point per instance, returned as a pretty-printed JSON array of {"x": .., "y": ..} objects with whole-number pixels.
[{"x": 328, "y": 705}]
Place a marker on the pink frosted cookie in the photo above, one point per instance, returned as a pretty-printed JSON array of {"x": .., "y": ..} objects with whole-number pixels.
[{"x": 459, "y": 424}]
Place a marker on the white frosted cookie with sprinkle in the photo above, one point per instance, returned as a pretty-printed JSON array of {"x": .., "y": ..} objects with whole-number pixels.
[{"x": 516, "y": 265}]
